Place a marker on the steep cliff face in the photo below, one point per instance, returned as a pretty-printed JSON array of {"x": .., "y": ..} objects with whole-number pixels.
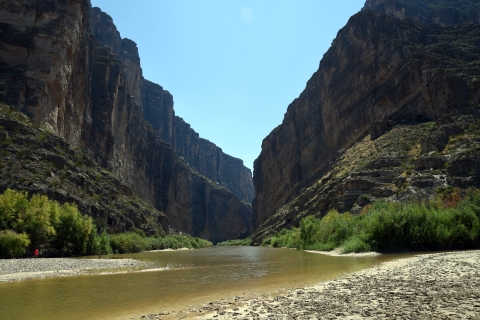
[
  {"x": 380, "y": 71},
  {"x": 157, "y": 106},
  {"x": 442, "y": 12},
  {"x": 45, "y": 62},
  {"x": 53, "y": 69},
  {"x": 41, "y": 163}
]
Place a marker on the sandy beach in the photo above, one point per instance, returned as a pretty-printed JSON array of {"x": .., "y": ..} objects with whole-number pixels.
[{"x": 433, "y": 286}]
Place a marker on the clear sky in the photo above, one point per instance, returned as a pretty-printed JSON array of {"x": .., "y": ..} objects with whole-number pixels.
[{"x": 232, "y": 66}]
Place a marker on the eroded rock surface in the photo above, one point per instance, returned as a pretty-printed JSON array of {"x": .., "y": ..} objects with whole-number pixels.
[
  {"x": 442, "y": 12},
  {"x": 157, "y": 106},
  {"x": 381, "y": 71},
  {"x": 54, "y": 69}
]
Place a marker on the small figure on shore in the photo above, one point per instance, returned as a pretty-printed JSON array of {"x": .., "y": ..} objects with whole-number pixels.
[{"x": 35, "y": 253}]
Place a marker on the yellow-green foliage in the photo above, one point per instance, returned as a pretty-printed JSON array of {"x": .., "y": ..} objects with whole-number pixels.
[
  {"x": 432, "y": 225},
  {"x": 73, "y": 231},
  {"x": 45, "y": 222},
  {"x": 12, "y": 244},
  {"x": 40, "y": 222}
]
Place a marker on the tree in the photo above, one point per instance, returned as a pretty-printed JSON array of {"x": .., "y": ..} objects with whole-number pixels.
[
  {"x": 73, "y": 230},
  {"x": 12, "y": 244}
]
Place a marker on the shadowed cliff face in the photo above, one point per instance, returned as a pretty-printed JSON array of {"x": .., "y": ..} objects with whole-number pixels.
[
  {"x": 157, "y": 106},
  {"x": 442, "y": 12},
  {"x": 377, "y": 67},
  {"x": 44, "y": 54},
  {"x": 58, "y": 73}
]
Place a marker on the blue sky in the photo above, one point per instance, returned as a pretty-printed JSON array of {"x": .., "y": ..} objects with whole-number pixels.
[{"x": 232, "y": 66}]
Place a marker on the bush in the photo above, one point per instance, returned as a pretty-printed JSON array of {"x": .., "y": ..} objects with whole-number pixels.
[
  {"x": 448, "y": 222},
  {"x": 12, "y": 244},
  {"x": 73, "y": 231},
  {"x": 46, "y": 223},
  {"x": 39, "y": 221},
  {"x": 237, "y": 242},
  {"x": 131, "y": 242}
]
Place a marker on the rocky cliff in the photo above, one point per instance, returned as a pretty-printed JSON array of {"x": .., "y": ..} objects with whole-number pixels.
[
  {"x": 38, "y": 162},
  {"x": 55, "y": 70},
  {"x": 441, "y": 12},
  {"x": 157, "y": 106},
  {"x": 380, "y": 72}
]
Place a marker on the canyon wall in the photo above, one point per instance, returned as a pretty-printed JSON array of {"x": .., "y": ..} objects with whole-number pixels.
[
  {"x": 157, "y": 106},
  {"x": 55, "y": 70},
  {"x": 380, "y": 70},
  {"x": 441, "y": 12}
]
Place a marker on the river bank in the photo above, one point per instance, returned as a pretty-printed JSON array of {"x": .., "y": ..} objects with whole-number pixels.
[
  {"x": 22, "y": 269},
  {"x": 433, "y": 286}
]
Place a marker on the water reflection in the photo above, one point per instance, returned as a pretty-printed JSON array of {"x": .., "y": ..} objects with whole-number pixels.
[{"x": 194, "y": 277}]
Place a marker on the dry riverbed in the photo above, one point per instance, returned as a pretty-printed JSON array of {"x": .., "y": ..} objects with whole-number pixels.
[
  {"x": 22, "y": 269},
  {"x": 433, "y": 286}
]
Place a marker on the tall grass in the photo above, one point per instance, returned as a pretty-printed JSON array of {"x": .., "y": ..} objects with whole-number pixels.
[{"x": 439, "y": 224}]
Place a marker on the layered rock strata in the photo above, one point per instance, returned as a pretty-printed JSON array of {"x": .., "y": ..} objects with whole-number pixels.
[
  {"x": 379, "y": 72},
  {"x": 53, "y": 69},
  {"x": 410, "y": 162},
  {"x": 157, "y": 106}
]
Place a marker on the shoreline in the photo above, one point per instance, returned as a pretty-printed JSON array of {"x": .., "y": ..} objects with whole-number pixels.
[
  {"x": 12, "y": 270},
  {"x": 443, "y": 285},
  {"x": 338, "y": 253}
]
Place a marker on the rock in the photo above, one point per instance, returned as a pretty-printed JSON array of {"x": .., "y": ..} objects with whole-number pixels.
[
  {"x": 378, "y": 128},
  {"x": 91, "y": 96},
  {"x": 157, "y": 107},
  {"x": 444, "y": 13},
  {"x": 429, "y": 163},
  {"x": 428, "y": 146},
  {"x": 364, "y": 77}
]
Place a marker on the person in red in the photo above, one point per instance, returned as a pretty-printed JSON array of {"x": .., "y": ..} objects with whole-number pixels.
[{"x": 35, "y": 253}]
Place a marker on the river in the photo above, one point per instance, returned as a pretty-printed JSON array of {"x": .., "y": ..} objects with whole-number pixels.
[{"x": 193, "y": 277}]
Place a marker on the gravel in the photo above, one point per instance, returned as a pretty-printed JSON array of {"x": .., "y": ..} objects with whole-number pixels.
[{"x": 20, "y": 269}]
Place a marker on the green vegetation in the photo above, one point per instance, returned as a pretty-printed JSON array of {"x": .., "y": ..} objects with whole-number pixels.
[
  {"x": 236, "y": 242},
  {"x": 451, "y": 221},
  {"x": 42, "y": 223},
  {"x": 12, "y": 244},
  {"x": 131, "y": 242}
]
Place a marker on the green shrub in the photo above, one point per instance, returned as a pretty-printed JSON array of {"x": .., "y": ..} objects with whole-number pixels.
[
  {"x": 131, "y": 242},
  {"x": 444, "y": 223},
  {"x": 12, "y": 244},
  {"x": 286, "y": 239},
  {"x": 237, "y": 242},
  {"x": 39, "y": 221},
  {"x": 33, "y": 217},
  {"x": 73, "y": 231}
]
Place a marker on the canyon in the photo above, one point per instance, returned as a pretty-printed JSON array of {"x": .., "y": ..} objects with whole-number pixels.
[
  {"x": 64, "y": 65},
  {"x": 390, "y": 114}
]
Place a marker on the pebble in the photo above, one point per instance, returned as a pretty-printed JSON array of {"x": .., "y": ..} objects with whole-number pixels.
[
  {"x": 20, "y": 269},
  {"x": 433, "y": 286}
]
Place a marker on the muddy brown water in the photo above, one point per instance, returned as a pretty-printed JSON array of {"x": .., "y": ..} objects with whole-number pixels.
[{"x": 194, "y": 277}]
